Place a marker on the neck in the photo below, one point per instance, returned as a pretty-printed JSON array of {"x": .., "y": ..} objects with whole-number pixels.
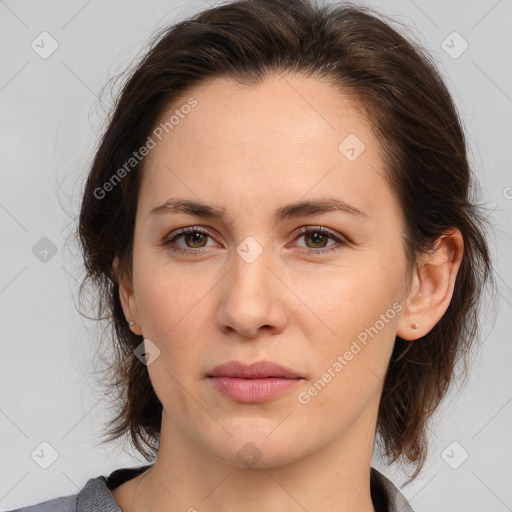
[{"x": 186, "y": 477}]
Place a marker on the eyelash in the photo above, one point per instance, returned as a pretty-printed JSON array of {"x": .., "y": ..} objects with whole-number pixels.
[{"x": 302, "y": 231}]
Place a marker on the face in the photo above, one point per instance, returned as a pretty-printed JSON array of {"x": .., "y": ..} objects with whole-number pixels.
[{"x": 249, "y": 285}]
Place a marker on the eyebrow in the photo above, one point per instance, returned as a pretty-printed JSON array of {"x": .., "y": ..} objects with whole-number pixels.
[{"x": 298, "y": 209}]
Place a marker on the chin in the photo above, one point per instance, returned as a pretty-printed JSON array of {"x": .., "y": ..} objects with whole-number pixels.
[{"x": 253, "y": 449}]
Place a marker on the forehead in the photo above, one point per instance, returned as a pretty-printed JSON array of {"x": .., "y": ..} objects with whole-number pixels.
[
  {"x": 288, "y": 135},
  {"x": 282, "y": 110}
]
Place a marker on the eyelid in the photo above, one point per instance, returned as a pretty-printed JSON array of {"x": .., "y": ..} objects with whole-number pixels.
[
  {"x": 337, "y": 237},
  {"x": 184, "y": 231},
  {"x": 340, "y": 240}
]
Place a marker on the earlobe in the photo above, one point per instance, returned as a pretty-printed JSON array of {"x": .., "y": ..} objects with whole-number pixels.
[
  {"x": 127, "y": 298},
  {"x": 432, "y": 287}
]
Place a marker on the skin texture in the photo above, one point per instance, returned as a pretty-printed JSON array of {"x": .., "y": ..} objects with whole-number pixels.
[{"x": 251, "y": 150}]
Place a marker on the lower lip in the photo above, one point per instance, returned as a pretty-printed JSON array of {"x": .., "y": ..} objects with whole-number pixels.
[{"x": 253, "y": 391}]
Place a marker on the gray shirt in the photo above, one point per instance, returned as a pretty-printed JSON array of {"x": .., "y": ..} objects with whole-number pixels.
[{"x": 95, "y": 496}]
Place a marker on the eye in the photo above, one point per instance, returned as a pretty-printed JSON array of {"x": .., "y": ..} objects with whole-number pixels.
[
  {"x": 319, "y": 235},
  {"x": 196, "y": 239},
  {"x": 191, "y": 235}
]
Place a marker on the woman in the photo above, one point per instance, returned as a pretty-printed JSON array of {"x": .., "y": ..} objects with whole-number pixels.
[{"x": 280, "y": 224}]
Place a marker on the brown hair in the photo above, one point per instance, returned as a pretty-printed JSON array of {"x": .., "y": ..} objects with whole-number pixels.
[{"x": 424, "y": 153}]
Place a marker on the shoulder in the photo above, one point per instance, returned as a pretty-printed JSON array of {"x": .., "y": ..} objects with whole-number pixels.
[
  {"x": 386, "y": 495},
  {"x": 62, "y": 504},
  {"x": 93, "y": 497}
]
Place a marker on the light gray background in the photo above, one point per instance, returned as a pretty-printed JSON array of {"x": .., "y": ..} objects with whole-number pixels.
[{"x": 51, "y": 117}]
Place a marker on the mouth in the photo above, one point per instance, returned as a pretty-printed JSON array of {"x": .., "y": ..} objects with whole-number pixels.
[
  {"x": 253, "y": 383},
  {"x": 257, "y": 370}
]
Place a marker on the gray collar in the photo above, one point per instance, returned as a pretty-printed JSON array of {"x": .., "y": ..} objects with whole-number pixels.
[{"x": 96, "y": 494}]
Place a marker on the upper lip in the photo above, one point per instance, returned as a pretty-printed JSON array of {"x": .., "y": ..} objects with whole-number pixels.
[{"x": 257, "y": 370}]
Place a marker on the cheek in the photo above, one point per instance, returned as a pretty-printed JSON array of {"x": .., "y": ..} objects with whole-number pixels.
[
  {"x": 174, "y": 318},
  {"x": 172, "y": 307},
  {"x": 350, "y": 372},
  {"x": 356, "y": 314},
  {"x": 338, "y": 305}
]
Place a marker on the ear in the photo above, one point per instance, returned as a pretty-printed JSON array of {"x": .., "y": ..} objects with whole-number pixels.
[
  {"x": 432, "y": 287},
  {"x": 127, "y": 297}
]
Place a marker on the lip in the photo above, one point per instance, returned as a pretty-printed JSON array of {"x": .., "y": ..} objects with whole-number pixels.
[
  {"x": 257, "y": 370},
  {"x": 253, "y": 383}
]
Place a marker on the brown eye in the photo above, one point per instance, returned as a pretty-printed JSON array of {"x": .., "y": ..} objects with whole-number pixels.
[
  {"x": 195, "y": 239},
  {"x": 317, "y": 238}
]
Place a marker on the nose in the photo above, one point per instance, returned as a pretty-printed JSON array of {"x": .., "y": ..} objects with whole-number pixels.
[{"x": 253, "y": 298}]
